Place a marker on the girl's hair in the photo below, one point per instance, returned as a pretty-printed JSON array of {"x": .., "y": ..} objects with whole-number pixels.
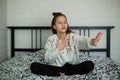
[{"x": 56, "y": 15}]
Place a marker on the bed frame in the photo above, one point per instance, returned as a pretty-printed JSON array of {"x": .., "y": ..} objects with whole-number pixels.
[{"x": 86, "y": 32}]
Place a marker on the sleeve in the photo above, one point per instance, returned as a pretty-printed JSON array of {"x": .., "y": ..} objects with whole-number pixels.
[
  {"x": 83, "y": 42},
  {"x": 51, "y": 52}
]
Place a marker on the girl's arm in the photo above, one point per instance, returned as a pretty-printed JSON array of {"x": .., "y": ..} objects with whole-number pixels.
[
  {"x": 88, "y": 42},
  {"x": 51, "y": 52}
]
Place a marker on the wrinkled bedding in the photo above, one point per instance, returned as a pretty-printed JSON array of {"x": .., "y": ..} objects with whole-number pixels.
[{"x": 17, "y": 68}]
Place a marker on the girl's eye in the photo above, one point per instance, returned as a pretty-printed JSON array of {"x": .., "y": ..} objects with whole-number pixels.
[
  {"x": 65, "y": 22},
  {"x": 60, "y": 23}
]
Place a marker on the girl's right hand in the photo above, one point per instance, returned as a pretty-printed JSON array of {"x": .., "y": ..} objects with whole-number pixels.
[{"x": 97, "y": 38}]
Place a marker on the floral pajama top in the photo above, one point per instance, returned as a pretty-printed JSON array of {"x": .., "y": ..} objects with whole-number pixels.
[{"x": 70, "y": 53}]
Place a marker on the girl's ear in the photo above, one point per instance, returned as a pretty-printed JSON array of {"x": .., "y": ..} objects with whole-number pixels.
[{"x": 54, "y": 27}]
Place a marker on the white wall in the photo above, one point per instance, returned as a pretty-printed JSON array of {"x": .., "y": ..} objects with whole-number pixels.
[
  {"x": 3, "y": 30},
  {"x": 79, "y": 13}
]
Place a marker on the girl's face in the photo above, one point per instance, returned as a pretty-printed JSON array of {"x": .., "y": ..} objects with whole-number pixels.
[{"x": 61, "y": 25}]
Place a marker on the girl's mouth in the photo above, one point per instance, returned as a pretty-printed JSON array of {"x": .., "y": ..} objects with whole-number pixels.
[{"x": 63, "y": 28}]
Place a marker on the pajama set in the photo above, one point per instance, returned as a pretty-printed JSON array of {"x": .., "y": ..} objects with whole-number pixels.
[{"x": 66, "y": 60}]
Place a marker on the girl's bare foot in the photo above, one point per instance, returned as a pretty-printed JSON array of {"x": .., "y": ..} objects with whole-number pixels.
[{"x": 62, "y": 75}]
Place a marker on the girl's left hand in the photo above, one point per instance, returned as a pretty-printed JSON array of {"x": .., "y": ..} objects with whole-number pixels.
[{"x": 97, "y": 38}]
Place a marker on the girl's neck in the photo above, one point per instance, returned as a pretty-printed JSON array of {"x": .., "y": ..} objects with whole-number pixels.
[{"x": 62, "y": 36}]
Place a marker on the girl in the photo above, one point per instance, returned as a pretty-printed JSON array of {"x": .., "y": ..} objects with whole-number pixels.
[{"x": 62, "y": 49}]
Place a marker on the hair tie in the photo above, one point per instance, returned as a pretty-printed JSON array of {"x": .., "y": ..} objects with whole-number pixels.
[{"x": 56, "y": 13}]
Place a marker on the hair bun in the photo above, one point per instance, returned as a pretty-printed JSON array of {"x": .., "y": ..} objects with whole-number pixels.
[{"x": 56, "y": 13}]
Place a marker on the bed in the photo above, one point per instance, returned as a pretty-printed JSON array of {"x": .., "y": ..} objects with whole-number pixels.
[{"x": 17, "y": 67}]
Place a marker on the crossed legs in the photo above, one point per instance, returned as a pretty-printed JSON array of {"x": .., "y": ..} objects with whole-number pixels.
[{"x": 67, "y": 69}]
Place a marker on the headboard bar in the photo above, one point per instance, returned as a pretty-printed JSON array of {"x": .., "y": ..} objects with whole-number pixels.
[
  {"x": 40, "y": 28},
  {"x": 72, "y": 27}
]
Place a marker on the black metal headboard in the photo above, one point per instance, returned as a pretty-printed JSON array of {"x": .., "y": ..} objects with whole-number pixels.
[{"x": 85, "y": 30}]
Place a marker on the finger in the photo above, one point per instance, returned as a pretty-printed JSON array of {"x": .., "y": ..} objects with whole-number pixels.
[{"x": 98, "y": 36}]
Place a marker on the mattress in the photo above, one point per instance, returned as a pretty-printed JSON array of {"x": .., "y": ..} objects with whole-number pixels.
[{"x": 18, "y": 68}]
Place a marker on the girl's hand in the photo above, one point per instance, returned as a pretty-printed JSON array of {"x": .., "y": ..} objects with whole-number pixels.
[{"x": 97, "y": 38}]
